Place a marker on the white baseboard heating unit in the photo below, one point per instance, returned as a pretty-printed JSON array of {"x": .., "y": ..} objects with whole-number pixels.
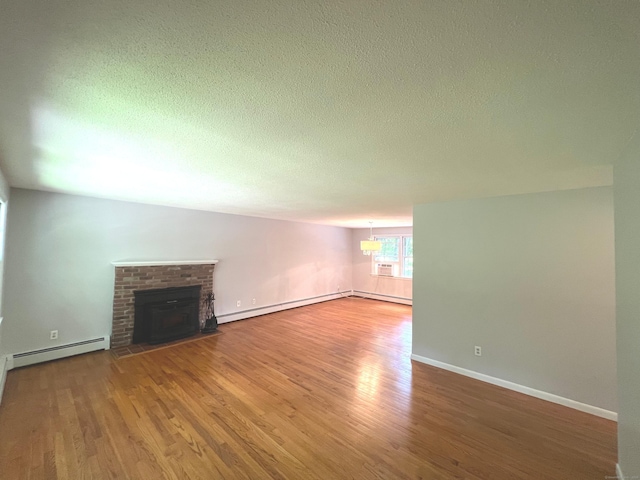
[{"x": 59, "y": 351}]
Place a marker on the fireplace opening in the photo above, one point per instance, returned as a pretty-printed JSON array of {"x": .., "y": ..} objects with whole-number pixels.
[{"x": 166, "y": 314}]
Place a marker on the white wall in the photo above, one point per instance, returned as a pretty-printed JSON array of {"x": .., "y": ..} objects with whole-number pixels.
[
  {"x": 60, "y": 248},
  {"x": 4, "y": 197},
  {"x": 627, "y": 219},
  {"x": 530, "y": 279},
  {"x": 384, "y": 288}
]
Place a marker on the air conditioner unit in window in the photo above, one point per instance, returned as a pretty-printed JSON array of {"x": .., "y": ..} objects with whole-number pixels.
[{"x": 385, "y": 269}]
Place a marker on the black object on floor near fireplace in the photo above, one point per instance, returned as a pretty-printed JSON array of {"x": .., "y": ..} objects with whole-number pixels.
[{"x": 166, "y": 314}]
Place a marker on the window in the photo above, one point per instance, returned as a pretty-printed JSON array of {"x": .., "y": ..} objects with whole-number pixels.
[{"x": 395, "y": 259}]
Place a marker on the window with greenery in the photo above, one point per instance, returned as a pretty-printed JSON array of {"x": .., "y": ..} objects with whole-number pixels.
[{"x": 395, "y": 258}]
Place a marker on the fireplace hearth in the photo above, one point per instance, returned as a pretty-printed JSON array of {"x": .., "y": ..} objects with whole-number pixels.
[
  {"x": 136, "y": 276},
  {"x": 166, "y": 314}
]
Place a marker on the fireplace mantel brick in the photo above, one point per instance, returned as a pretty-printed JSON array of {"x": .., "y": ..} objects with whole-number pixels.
[{"x": 148, "y": 277}]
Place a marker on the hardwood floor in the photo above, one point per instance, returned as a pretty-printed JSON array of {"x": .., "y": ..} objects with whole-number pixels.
[{"x": 320, "y": 392}]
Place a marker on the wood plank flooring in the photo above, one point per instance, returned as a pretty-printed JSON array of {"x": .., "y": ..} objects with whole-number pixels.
[{"x": 321, "y": 392}]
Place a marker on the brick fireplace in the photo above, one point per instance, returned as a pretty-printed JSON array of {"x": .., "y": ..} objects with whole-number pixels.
[{"x": 139, "y": 276}]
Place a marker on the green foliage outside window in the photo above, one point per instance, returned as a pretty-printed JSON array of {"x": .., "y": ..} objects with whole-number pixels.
[{"x": 397, "y": 251}]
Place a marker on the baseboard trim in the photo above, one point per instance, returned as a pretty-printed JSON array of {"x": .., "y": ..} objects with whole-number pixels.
[
  {"x": 619, "y": 472},
  {"x": 383, "y": 297},
  {"x": 4, "y": 368},
  {"x": 278, "y": 307},
  {"x": 550, "y": 397},
  {"x": 24, "y": 359}
]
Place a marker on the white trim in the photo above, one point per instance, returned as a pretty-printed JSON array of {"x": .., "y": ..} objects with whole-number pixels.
[
  {"x": 4, "y": 364},
  {"x": 60, "y": 351},
  {"x": 619, "y": 472},
  {"x": 158, "y": 263},
  {"x": 278, "y": 307},
  {"x": 382, "y": 296},
  {"x": 550, "y": 397}
]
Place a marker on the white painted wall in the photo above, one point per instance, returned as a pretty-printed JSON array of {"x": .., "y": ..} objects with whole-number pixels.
[
  {"x": 60, "y": 249},
  {"x": 530, "y": 279},
  {"x": 627, "y": 220},
  {"x": 391, "y": 289},
  {"x": 4, "y": 197}
]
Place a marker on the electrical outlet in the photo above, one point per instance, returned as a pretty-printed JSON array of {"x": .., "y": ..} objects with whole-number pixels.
[
  {"x": 478, "y": 351},
  {"x": 53, "y": 335},
  {"x": 253, "y": 302},
  {"x": 238, "y": 303}
]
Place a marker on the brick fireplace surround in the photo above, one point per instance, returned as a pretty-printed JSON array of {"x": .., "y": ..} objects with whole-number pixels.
[{"x": 134, "y": 276}]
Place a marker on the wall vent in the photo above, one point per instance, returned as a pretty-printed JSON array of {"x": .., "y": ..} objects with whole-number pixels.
[{"x": 385, "y": 269}]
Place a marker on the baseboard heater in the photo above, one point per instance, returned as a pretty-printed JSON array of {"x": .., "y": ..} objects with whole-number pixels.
[
  {"x": 59, "y": 351},
  {"x": 383, "y": 297},
  {"x": 278, "y": 307}
]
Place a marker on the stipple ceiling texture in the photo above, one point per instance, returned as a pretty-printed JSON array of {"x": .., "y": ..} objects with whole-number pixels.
[{"x": 331, "y": 112}]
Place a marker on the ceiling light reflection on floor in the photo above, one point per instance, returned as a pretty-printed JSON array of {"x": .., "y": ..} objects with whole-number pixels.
[{"x": 368, "y": 380}]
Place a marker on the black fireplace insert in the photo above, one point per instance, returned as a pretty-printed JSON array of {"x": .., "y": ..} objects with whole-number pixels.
[{"x": 166, "y": 314}]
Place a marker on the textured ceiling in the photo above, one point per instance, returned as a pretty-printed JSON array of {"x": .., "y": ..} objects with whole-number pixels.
[{"x": 331, "y": 112}]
